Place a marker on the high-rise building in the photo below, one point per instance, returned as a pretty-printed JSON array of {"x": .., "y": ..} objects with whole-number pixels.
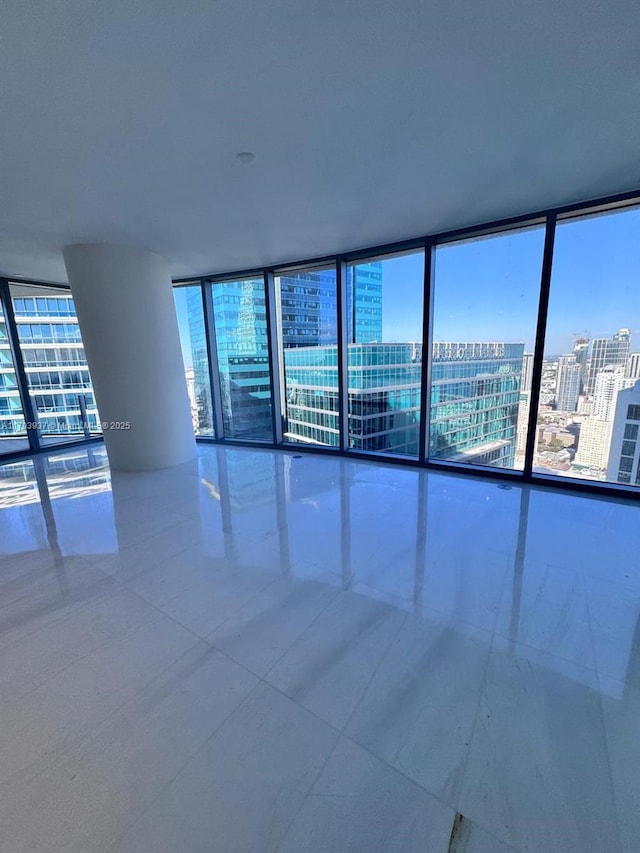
[
  {"x": 593, "y": 444},
  {"x": 633, "y": 366},
  {"x": 384, "y": 396},
  {"x": 568, "y": 383},
  {"x": 581, "y": 353},
  {"x": 596, "y": 431},
  {"x": 623, "y": 464},
  {"x": 308, "y": 306},
  {"x": 12, "y": 422},
  {"x": 54, "y": 362},
  {"x": 308, "y": 321},
  {"x": 240, "y": 313},
  {"x": 475, "y": 396},
  {"x": 527, "y": 372},
  {"x": 201, "y": 384},
  {"x": 474, "y": 399},
  {"x": 609, "y": 381},
  {"x": 607, "y": 352},
  {"x": 364, "y": 303},
  {"x": 190, "y": 376}
]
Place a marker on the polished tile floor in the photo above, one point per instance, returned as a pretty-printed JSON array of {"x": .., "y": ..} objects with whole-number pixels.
[{"x": 272, "y": 651}]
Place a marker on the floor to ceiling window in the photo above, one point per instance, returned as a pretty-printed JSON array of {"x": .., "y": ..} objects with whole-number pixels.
[
  {"x": 485, "y": 308},
  {"x": 589, "y": 408},
  {"x": 191, "y": 325},
  {"x": 240, "y": 314},
  {"x": 55, "y": 363},
  {"x": 384, "y": 335},
  {"x": 309, "y": 337},
  {"x": 13, "y": 428}
]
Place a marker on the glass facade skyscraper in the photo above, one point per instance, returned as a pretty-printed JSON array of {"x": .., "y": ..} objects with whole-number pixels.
[
  {"x": 568, "y": 383},
  {"x": 384, "y": 389},
  {"x": 308, "y": 319},
  {"x": 607, "y": 352},
  {"x": 475, "y": 386},
  {"x": 240, "y": 313},
  {"x": 203, "y": 416},
  {"x": 54, "y": 362},
  {"x": 475, "y": 394},
  {"x": 13, "y": 429},
  {"x": 364, "y": 303}
]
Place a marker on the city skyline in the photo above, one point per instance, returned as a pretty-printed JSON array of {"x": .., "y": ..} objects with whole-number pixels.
[{"x": 596, "y": 258}]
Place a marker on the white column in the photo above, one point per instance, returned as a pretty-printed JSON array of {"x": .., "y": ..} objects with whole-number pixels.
[{"x": 127, "y": 317}]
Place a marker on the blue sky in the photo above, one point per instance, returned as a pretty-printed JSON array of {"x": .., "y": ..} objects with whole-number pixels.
[
  {"x": 487, "y": 290},
  {"x": 180, "y": 298}
]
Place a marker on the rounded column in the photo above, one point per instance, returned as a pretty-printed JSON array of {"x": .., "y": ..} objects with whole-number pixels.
[{"x": 125, "y": 309}]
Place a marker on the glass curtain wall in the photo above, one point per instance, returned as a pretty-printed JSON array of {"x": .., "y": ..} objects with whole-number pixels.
[
  {"x": 55, "y": 363},
  {"x": 485, "y": 309},
  {"x": 308, "y": 331},
  {"x": 13, "y": 428},
  {"x": 483, "y": 312},
  {"x": 384, "y": 334},
  {"x": 191, "y": 326},
  {"x": 589, "y": 407},
  {"x": 240, "y": 314}
]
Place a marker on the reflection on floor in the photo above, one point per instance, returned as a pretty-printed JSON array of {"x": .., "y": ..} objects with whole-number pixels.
[
  {"x": 12, "y": 445},
  {"x": 257, "y": 652}
]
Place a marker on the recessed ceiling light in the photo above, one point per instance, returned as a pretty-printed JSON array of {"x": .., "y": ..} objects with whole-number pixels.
[{"x": 246, "y": 156}]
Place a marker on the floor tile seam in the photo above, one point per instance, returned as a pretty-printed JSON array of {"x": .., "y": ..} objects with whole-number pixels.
[
  {"x": 263, "y": 676},
  {"x": 235, "y": 661},
  {"x": 600, "y": 672},
  {"x": 481, "y": 823},
  {"x": 596, "y": 659},
  {"x": 123, "y": 552},
  {"x": 80, "y": 742},
  {"x": 249, "y": 601},
  {"x": 81, "y": 658},
  {"x": 603, "y": 722},
  {"x": 193, "y": 633},
  {"x": 121, "y": 833},
  {"x": 505, "y": 636},
  {"x": 309, "y": 792},
  {"x": 593, "y": 670},
  {"x": 396, "y": 770},
  {"x": 126, "y": 582},
  {"x": 474, "y": 725},
  {"x": 34, "y": 630},
  {"x": 140, "y": 537},
  {"x": 145, "y": 538},
  {"x": 267, "y": 674},
  {"x": 375, "y": 671},
  {"x": 459, "y": 620},
  {"x": 623, "y": 586},
  {"x": 82, "y": 568},
  {"x": 67, "y": 615},
  {"x": 10, "y": 605},
  {"x": 315, "y": 619}
]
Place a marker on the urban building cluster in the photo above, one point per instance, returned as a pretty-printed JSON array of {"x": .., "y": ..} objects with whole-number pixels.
[
  {"x": 55, "y": 366},
  {"x": 475, "y": 386},
  {"x": 588, "y": 415},
  {"x": 589, "y": 407}
]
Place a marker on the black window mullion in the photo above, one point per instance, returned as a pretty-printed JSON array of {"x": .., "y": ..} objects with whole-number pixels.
[
  {"x": 427, "y": 322},
  {"x": 343, "y": 353},
  {"x": 212, "y": 358},
  {"x": 538, "y": 353},
  {"x": 28, "y": 409}
]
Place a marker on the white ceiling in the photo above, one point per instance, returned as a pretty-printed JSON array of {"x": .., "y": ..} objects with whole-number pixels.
[{"x": 371, "y": 121}]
